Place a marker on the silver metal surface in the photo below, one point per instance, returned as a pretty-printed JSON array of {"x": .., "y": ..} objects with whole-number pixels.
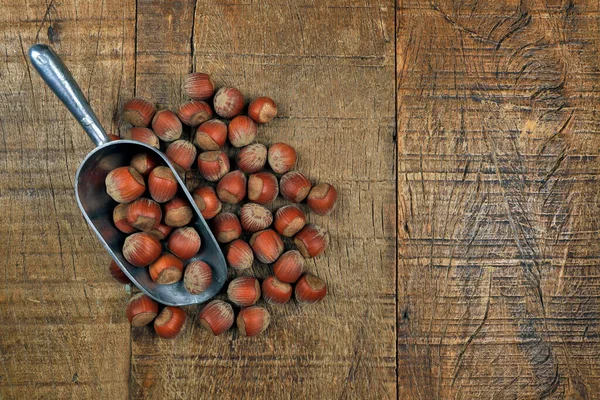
[
  {"x": 51, "y": 68},
  {"x": 95, "y": 204}
]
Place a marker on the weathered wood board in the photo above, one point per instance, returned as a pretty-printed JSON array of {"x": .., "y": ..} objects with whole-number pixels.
[
  {"x": 63, "y": 333},
  {"x": 498, "y": 275},
  {"x": 334, "y": 84}
]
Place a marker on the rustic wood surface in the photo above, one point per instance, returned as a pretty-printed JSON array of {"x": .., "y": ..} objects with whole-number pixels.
[
  {"x": 462, "y": 139},
  {"x": 498, "y": 277}
]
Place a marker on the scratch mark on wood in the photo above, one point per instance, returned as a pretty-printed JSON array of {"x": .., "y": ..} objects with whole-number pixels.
[
  {"x": 46, "y": 16},
  {"x": 474, "y": 334},
  {"x": 98, "y": 33}
]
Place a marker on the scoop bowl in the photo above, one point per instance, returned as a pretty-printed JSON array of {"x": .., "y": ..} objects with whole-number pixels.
[{"x": 97, "y": 206}]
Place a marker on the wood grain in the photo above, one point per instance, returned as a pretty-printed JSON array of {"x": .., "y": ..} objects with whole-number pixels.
[
  {"x": 334, "y": 84},
  {"x": 464, "y": 260},
  {"x": 163, "y": 49},
  {"x": 498, "y": 201},
  {"x": 62, "y": 329}
]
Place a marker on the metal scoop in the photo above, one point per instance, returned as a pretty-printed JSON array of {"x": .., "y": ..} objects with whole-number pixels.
[{"x": 95, "y": 204}]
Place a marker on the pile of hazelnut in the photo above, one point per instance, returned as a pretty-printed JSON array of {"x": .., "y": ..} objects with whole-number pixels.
[{"x": 149, "y": 211}]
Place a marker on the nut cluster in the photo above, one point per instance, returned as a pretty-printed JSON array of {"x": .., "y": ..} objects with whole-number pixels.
[{"x": 241, "y": 179}]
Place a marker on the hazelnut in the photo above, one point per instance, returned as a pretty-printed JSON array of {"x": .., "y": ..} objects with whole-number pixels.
[
  {"x": 282, "y": 157},
  {"x": 239, "y": 255},
  {"x": 255, "y": 217},
  {"x": 226, "y": 227},
  {"x": 310, "y": 289},
  {"x": 169, "y": 322},
  {"x": 145, "y": 135},
  {"x": 162, "y": 184},
  {"x": 267, "y": 246},
  {"x": 138, "y": 112},
  {"x": 193, "y": 113},
  {"x": 117, "y": 273},
  {"x": 311, "y": 240},
  {"x": 141, "y": 310},
  {"x": 321, "y": 198},
  {"x": 161, "y": 232},
  {"x": 262, "y": 110},
  {"x": 289, "y": 220},
  {"x": 216, "y": 317},
  {"x": 177, "y": 212},
  {"x": 241, "y": 131},
  {"x": 232, "y": 187},
  {"x": 207, "y": 202},
  {"x": 143, "y": 163},
  {"x": 228, "y": 102},
  {"x": 140, "y": 249},
  {"x": 182, "y": 153},
  {"x": 289, "y": 266},
  {"x": 211, "y": 135},
  {"x": 166, "y": 125},
  {"x": 294, "y": 186},
  {"x": 276, "y": 292},
  {"x": 124, "y": 184},
  {"x": 244, "y": 291},
  {"x": 262, "y": 188},
  {"x": 120, "y": 219},
  {"x": 144, "y": 214},
  {"x": 184, "y": 242},
  {"x": 213, "y": 165},
  {"x": 197, "y": 277},
  {"x": 253, "y": 321},
  {"x": 252, "y": 158},
  {"x": 167, "y": 269},
  {"x": 198, "y": 86}
]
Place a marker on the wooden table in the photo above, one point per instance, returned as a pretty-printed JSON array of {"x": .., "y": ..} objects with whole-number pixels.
[{"x": 462, "y": 136}]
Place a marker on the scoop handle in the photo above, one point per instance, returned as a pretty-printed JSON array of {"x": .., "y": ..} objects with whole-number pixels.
[{"x": 52, "y": 70}]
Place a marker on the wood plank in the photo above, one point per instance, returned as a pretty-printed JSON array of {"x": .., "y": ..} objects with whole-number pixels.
[
  {"x": 163, "y": 49},
  {"x": 63, "y": 331},
  {"x": 498, "y": 199},
  {"x": 330, "y": 67}
]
